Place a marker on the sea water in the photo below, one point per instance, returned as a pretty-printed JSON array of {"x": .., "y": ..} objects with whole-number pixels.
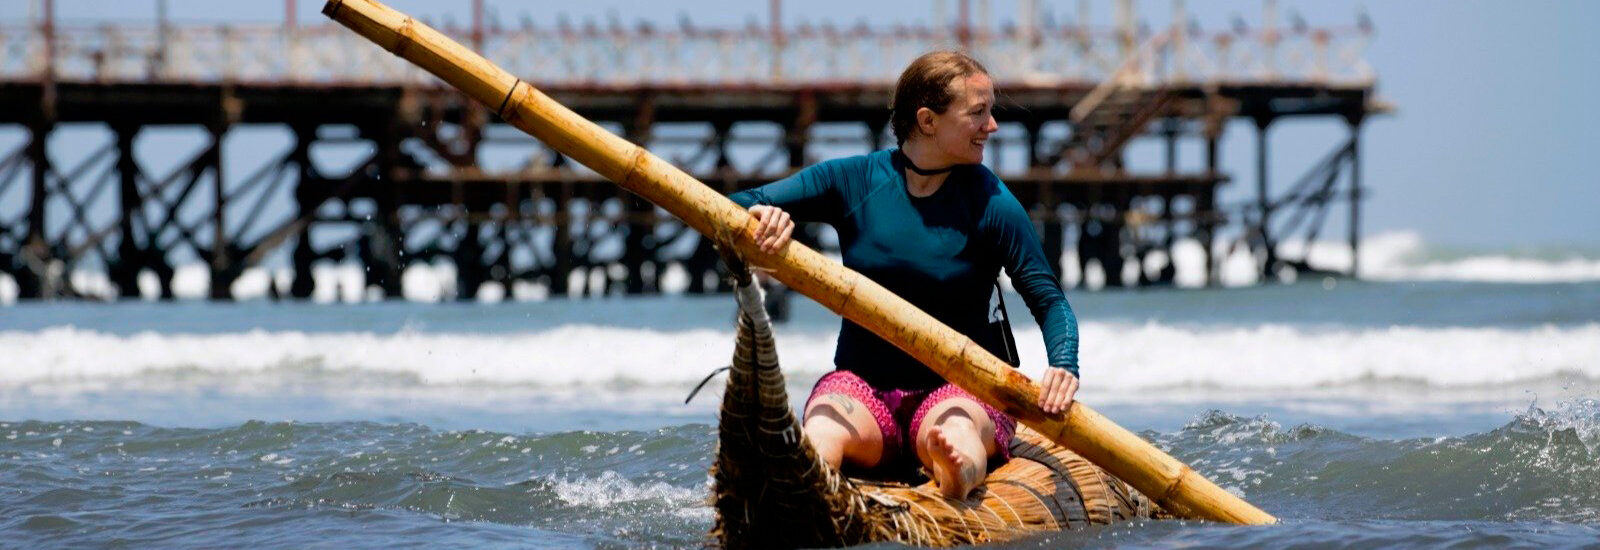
[{"x": 1447, "y": 401}]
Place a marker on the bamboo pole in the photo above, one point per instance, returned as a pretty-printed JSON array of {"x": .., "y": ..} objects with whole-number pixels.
[{"x": 1164, "y": 479}]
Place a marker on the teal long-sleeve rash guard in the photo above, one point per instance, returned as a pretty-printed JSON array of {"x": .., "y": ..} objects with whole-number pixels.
[{"x": 941, "y": 253}]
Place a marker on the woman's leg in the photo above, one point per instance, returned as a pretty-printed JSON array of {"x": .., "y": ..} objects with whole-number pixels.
[
  {"x": 954, "y": 442},
  {"x": 842, "y": 421},
  {"x": 840, "y": 429}
]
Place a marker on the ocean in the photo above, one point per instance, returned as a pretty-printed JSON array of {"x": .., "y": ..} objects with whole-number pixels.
[{"x": 1450, "y": 398}]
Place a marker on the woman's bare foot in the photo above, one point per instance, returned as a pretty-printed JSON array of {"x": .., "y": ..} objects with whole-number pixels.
[{"x": 954, "y": 472}]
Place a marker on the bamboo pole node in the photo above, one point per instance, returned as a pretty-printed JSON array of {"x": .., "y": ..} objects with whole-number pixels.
[
  {"x": 1166, "y": 496},
  {"x": 403, "y": 38},
  {"x": 521, "y": 94},
  {"x": 501, "y": 112},
  {"x": 636, "y": 168}
]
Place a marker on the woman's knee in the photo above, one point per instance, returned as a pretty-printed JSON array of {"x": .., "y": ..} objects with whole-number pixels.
[
  {"x": 839, "y": 420},
  {"x": 958, "y": 411},
  {"x": 960, "y": 414}
]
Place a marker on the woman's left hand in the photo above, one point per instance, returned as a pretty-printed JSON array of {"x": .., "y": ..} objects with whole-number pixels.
[{"x": 1057, "y": 390}]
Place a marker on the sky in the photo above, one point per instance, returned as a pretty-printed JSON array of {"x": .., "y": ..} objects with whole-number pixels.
[{"x": 1489, "y": 146}]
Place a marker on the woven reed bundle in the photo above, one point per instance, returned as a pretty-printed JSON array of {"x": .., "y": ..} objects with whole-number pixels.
[
  {"x": 772, "y": 491},
  {"x": 1044, "y": 487}
]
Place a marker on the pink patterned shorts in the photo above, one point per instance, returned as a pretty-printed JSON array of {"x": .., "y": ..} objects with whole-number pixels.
[{"x": 900, "y": 412}]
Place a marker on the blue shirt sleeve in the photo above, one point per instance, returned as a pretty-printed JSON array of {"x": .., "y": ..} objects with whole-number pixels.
[
  {"x": 1022, "y": 256},
  {"x": 813, "y": 194}
]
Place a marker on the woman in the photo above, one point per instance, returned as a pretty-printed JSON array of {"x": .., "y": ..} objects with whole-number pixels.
[{"x": 932, "y": 224}]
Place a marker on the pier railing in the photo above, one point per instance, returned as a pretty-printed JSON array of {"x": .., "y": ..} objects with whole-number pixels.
[{"x": 589, "y": 54}]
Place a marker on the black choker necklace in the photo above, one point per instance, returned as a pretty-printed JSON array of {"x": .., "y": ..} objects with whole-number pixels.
[{"x": 934, "y": 172}]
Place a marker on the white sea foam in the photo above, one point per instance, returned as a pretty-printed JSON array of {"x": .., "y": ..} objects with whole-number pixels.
[
  {"x": 562, "y": 357},
  {"x": 1278, "y": 356},
  {"x": 610, "y": 488},
  {"x": 1118, "y": 357},
  {"x": 1393, "y": 256},
  {"x": 8, "y": 289}
]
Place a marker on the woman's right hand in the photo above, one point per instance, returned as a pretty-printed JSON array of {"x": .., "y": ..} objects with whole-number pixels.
[{"x": 775, "y": 230}]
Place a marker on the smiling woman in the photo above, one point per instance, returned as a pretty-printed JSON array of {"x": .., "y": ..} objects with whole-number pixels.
[
  {"x": 929, "y": 222},
  {"x": 942, "y": 113}
]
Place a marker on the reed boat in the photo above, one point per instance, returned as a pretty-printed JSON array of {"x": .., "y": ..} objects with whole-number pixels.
[{"x": 772, "y": 491}]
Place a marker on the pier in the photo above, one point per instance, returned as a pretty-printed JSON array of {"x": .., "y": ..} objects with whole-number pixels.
[{"x": 435, "y": 178}]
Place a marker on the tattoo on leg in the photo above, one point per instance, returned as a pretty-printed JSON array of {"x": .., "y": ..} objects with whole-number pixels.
[{"x": 846, "y": 403}]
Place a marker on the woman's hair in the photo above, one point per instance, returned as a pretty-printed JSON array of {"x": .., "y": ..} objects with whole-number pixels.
[{"x": 926, "y": 83}]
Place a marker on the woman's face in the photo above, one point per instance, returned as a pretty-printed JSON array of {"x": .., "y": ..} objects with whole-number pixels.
[{"x": 962, "y": 130}]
